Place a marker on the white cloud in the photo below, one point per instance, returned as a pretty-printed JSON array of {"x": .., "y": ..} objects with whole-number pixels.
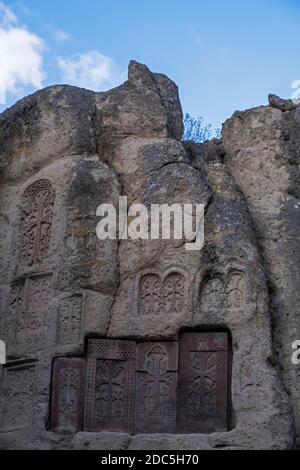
[
  {"x": 61, "y": 36},
  {"x": 296, "y": 87},
  {"x": 92, "y": 70},
  {"x": 21, "y": 56}
]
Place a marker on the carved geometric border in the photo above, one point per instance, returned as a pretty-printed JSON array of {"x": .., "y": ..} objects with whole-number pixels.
[{"x": 17, "y": 367}]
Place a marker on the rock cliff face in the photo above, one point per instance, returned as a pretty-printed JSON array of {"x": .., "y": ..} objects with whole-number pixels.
[{"x": 100, "y": 334}]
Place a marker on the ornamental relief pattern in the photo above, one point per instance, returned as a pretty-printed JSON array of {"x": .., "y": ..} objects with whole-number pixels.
[
  {"x": 202, "y": 389},
  {"x": 162, "y": 293},
  {"x": 110, "y": 385},
  {"x": 69, "y": 320},
  {"x": 156, "y": 387},
  {"x": 231, "y": 291},
  {"x": 81, "y": 238},
  {"x": 250, "y": 380},
  {"x": 110, "y": 392},
  {"x": 37, "y": 219},
  {"x": 202, "y": 383},
  {"x": 9, "y": 319},
  {"x": 146, "y": 387},
  {"x": 68, "y": 394},
  {"x": 28, "y": 326},
  {"x": 28, "y": 323},
  {"x": 18, "y": 397}
]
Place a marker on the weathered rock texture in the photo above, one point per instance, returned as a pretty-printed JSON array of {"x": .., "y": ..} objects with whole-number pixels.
[{"x": 63, "y": 152}]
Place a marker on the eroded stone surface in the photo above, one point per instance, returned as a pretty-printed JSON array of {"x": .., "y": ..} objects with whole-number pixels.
[{"x": 63, "y": 152}]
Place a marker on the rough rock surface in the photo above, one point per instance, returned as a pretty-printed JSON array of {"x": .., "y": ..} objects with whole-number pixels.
[{"x": 77, "y": 149}]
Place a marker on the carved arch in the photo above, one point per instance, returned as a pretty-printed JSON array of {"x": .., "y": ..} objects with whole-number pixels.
[
  {"x": 212, "y": 292},
  {"x": 236, "y": 289},
  {"x": 150, "y": 294},
  {"x": 158, "y": 292}
]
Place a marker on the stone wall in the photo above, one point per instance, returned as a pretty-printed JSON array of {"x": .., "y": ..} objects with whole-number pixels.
[{"x": 99, "y": 333}]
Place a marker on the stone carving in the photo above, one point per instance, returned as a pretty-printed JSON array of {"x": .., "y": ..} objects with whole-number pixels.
[
  {"x": 213, "y": 294},
  {"x": 202, "y": 383},
  {"x": 9, "y": 320},
  {"x": 109, "y": 400},
  {"x": 68, "y": 395},
  {"x": 162, "y": 294},
  {"x": 236, "y": 290},
  {"x": 218, "y": 293},
  {"x": 111, "y": 349},
  {"x": 74, "y": 276},
  {"x": 129, "y": 141},
  {"x": 65, "y": 278},
  {"x": 69, "y": 320},
  {"x": 248, "y": 384},
  {"x": 110, "y": 392},
  {"x": 202, "y": 389},
  {"x": 150, "y": 294},
  {"x": 156, "y": 387},
  {"x": 18, "y": 396},
  {"x": 16, "y": 297},
  {"x": 34, "y": 322},
  {"x": 81, "y": 234},
  {"x": 38, "y": 205},
  {"x": 133, "y": 389},
  {"x": 173, "y": 293}
]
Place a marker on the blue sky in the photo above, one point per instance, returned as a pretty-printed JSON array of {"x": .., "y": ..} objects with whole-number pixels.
[{"x": 224, "y": 55}]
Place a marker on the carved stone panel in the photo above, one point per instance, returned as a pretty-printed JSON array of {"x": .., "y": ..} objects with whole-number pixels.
[
  {"x": 174, "y": 293},
  {"x": 69, "y": 320},
  {"x": 202, "y": 383},
  {"x": 213, "y": 294},
  {"x": 230, "y": 291},
  {"x": 162, "y": 293},
  {"x": 81, "y": 239},
  {"x": 249, "y": 384},
  {"x": 38, "y": 207},
  {"x": 150, "y": 294},
  {"x": 156, "y": 383},
  {"x": 110, "y": 386},
  {"x": 34, "y": 323},
  {"x": 10, "y": 319},
  {"x": 68, "y": 395},
  {"x": 18, "y": 392},
  {"x": 74, "y": 276},
  {"x": 236, "y": 290}
]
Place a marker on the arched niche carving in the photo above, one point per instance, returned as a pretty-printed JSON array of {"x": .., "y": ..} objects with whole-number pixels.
[
  {"x": 236, "y": 289},
  {"x": 212, "y": 292},
  {"x": 37, "y": 219},
  {"x": 150, "y": 294},
  {"x": 229, "y": 290},
  {"x": 174, "y": 292},
  {"x": 161, "y": 293}
]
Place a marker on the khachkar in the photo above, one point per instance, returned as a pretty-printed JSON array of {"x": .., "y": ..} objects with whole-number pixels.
[
  {"x": 145, "y": 338},
  {"x": 135, "y": 388}
]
